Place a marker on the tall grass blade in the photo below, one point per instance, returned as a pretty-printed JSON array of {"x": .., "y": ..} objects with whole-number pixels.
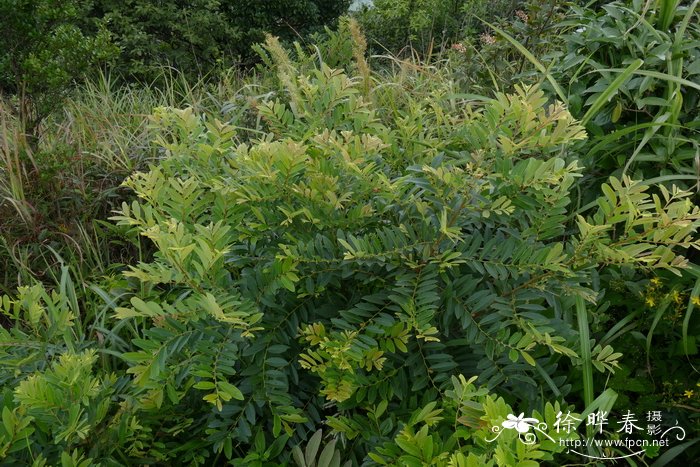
[
  {"x": 527, "y": 54},
  {"x": 550, "y": 382},
  {"x": 658, "y": 75},
  {"x": 11, "y": 167},
  {"x": 610, "y": 91},
  {"x": 675, "y": 68},
  {"x": 683, "y": 25},
  {"x": 648, "y": 134},
  {"x": 586, "y": 357},
  {"x": 620, "y": 328},
  {"x": 669, "y": 178},
  {"x": 604, "y": 142},
  {"x": 667, "y": 10},
  {"x": 689, "y": 312},
  {"x": 603, "y": 403},
  {"x": 672, "y": 453},
  {"x": 657, "y": 317}
]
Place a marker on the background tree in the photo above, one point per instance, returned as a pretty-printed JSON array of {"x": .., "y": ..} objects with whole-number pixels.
[
  {"x": 43, "y": 51},
  {"x": 202, "y": 35}
]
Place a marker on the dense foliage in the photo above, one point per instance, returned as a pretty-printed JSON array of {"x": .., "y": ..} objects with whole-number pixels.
[
  {"x": 428, "y": 25},
  {"x": 354, "y": 260},
  {"x": 46, "y": 46},
  {"x": 204, "y": 36},
  {"x": 43, "y": 50},
  {"x": 659, "y": 97},
  {"x": 499, "y": 50},
  {"x": 344, "y": 259}
]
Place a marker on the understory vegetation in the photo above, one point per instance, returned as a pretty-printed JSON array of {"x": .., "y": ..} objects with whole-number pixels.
[{"x": 376, "y": 243}]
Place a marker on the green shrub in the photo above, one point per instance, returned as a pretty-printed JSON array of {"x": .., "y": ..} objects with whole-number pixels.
[
  {"x": 43, "y": 51},
  {"x": 629, "y": 72},
  {"x": 204, "y": 36},
  {"x": 56, "y": 195},
  {"x": 426, "y": 25},
  {"x": 491, "y": 60},
  {"x": 343, "y": 271},
  {"x": 373, "y": 256},
  {"x": 649, "y": 122}
]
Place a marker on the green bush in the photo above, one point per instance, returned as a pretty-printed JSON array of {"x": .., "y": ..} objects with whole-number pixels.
[
  {"x": 205, "y": 35},
  {"x": 492, "y": 60},
  {"x": 56, "y": 194},
  {"x": 43, "y": 51},
  {"x": 342, "y": 271},
  {"x": 45, "y": 46},
  {"x": 649, "y": 121},
  {"x": 426, "y": 25}
]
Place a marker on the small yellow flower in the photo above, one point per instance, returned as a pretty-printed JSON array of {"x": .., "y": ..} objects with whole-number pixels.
[
  {"x": 650, "y": 301},
  {"x": 676, "y": 297},
  {"x": 689, "y": 393},
  {"x": 695, "y": 300},
  {"x": 656, "y": 281}
]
